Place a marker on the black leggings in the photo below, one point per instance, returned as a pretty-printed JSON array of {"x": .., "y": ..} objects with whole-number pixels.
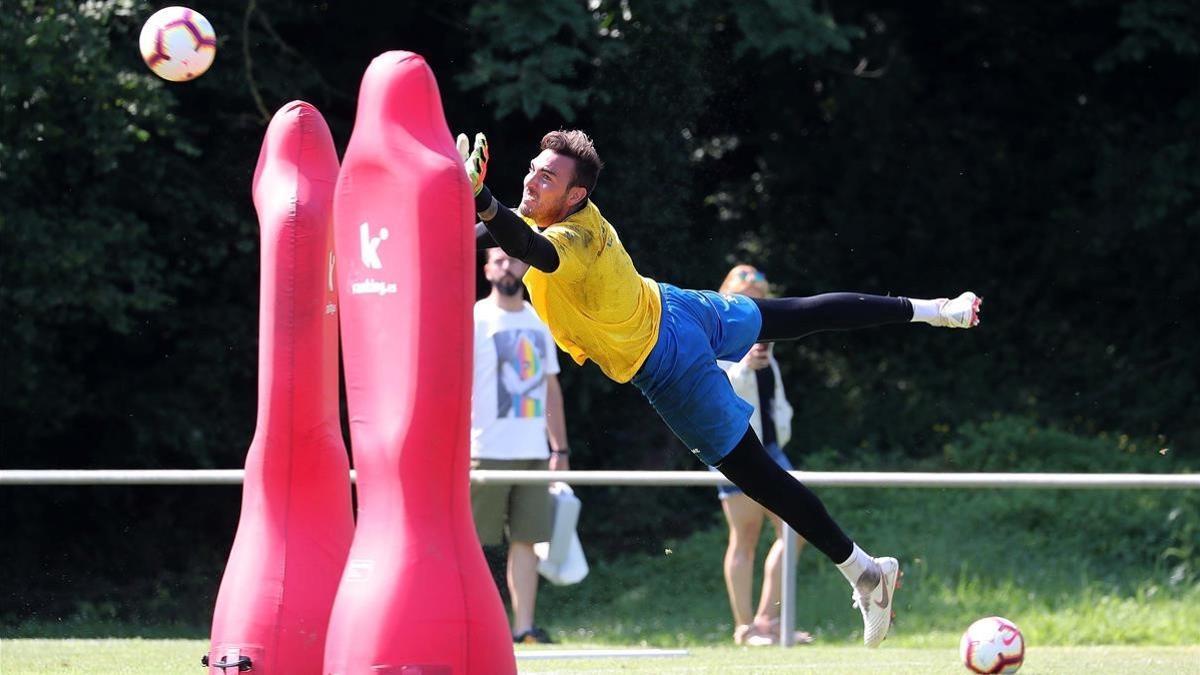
[
  {"x": 793, "y": 318},
  {"x": 750, "y": 467}
]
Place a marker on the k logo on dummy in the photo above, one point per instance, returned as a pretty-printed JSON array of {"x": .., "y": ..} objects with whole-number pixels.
[
  {"x": 369, "y": 251},
  {"x": 370, "y": 246}
]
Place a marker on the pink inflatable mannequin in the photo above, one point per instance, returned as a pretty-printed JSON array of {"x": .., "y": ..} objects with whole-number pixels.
[
  {"x": 416, "y": 595},
  {"x": 297, "y": 521}
]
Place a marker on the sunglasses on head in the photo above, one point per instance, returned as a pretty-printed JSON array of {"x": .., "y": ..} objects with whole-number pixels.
[{"x": 751, "y": 276}]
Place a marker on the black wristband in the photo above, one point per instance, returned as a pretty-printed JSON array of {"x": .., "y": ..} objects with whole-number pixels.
[
  {"x": 490, "y": 212},
  {"x": 561, "y": 451},
  {"x": 484, "y": 199}
]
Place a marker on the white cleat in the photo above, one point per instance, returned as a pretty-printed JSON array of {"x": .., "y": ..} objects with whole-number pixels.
[
  {"x": 874, "y": 596},
  {"x": 961, "y": 312}
]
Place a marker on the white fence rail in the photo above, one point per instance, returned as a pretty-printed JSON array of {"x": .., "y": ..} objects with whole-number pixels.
[
  {"x": 1108, "y": 481},
  {"x": 1123, "y": 481}
]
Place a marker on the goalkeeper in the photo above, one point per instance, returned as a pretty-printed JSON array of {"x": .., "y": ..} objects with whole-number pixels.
[{"x": 666, "y": 340}]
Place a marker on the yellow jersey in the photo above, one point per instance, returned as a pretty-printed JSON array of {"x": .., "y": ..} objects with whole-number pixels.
[{"x": 596, "y": 304}]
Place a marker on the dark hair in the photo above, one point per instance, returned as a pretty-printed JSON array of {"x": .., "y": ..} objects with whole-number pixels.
[{"x": 575, "y": 144}]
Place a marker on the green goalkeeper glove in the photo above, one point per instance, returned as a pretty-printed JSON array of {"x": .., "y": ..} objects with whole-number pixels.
[{"x": 475, "y": 160}]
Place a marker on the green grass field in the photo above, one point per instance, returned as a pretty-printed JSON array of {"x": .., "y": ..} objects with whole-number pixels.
[
  {"x": 1071, "y": 568},
  {"x": 181, "y": 657}
]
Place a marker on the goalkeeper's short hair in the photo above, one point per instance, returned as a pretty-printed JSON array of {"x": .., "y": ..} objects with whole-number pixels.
[{"x": 578, "y": 146}]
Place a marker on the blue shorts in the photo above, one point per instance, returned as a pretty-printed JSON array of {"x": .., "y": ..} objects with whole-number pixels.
[
  {"x": 774, "y": 452},
  {"x": 681, "y": 377}
]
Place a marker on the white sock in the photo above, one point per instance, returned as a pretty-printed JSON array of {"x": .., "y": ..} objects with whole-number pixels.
[
  {"x": 858, "y": 563},
  {"x": 925, "y": 311}
]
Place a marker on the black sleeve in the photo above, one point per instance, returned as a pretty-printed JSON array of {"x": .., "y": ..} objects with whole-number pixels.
[
  {"x": 512, "y": 234},
  {"x": 483, "y": 238}
]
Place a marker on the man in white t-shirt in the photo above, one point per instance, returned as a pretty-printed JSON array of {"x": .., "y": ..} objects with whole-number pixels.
[{"x": 516, "y": 406}]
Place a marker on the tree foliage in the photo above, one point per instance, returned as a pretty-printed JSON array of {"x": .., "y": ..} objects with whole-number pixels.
[{"x": 1045, "y": 157}]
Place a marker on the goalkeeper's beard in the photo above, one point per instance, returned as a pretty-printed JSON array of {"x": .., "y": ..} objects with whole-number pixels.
[
  {"x": 543, "y": 211},
  {"x": 509, "y": 286}
]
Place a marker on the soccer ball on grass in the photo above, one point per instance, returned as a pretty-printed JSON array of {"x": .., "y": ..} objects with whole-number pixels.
[
  {"x": 992, "y": 645},
  {"x": 178, "y": 43}
]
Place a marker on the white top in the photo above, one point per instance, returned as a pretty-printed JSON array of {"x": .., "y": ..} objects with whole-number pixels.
[
  {"x": 745, "y": 385},
  {"x": 513, "y": 355}
]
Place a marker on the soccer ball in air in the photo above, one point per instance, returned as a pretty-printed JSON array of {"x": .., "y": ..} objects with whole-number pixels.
[
  {"x": 178, "y": 43},
  {"x": 992, "y": 645}
]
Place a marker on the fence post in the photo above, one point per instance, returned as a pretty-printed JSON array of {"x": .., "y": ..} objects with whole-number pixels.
[{"x": 787, "y": 590}]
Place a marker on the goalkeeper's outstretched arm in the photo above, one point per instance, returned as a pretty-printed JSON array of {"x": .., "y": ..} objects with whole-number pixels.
[{"x": 499, "y": 226}]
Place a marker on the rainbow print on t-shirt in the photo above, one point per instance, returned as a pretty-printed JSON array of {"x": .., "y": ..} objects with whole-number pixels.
[
  {"x": 529, "y": 407},
  {"x": 530, "y": 366},
  {"x": 521, "y": 385},
  {"x": 528, "y": 358}
]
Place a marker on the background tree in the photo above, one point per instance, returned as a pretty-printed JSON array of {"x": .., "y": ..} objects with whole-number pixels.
[{"x": 1045, "y": 158}]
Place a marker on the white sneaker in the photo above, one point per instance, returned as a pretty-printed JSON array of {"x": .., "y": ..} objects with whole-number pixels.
[
  {"x": 874, "y": 597},
  {"x": 961, "y": 312}
]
